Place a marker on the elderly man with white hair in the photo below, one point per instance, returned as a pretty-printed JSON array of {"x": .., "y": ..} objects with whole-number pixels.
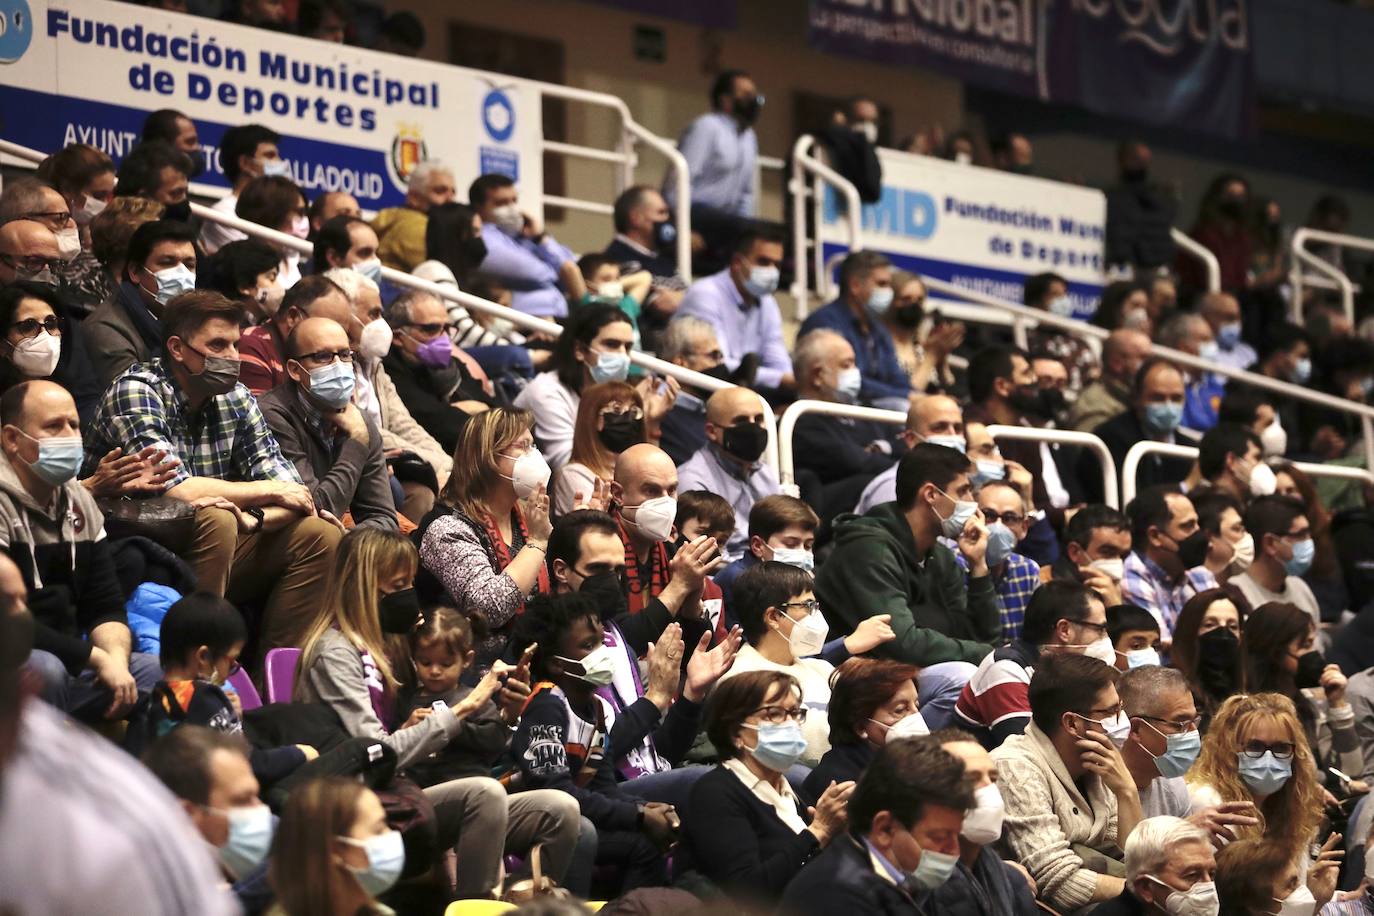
[
  {"x": 402, "y": 229},
  {"x": 1169, "y": 869},
  {"x": 690, "y": 343}
]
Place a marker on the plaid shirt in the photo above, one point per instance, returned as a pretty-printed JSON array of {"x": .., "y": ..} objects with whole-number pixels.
[
  {"x": 1360, "y": 906},
  {"x": 1014, "y": 588},
  {"x": 228, "y": 439},
  {"x": 1147, "y": 585}
]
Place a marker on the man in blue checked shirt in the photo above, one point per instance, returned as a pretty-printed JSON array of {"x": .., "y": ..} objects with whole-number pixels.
[
  {"x": 1165, "y": 567},
  {"x": 1014, "y": 577},
  {"x": 258, "y": 536}
]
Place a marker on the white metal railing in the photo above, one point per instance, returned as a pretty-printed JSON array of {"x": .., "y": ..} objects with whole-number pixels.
[
  {"x": 788, "y": 424},
  {"x": 809, "y": 178},
  {"x": 1131, "y": 465},
  {"x": 1196, "y": 249},
  {"x": 1302, "y": 257}
]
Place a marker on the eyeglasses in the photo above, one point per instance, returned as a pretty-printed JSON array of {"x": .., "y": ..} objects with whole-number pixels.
[
  {"x": 326, "y": 356},
  {"x": 1181, "y": 725},
  {"x": 1011, "y": 519},
  {"x": 811, "y": 605},
  {"x": 30, "y": 327},
  {"x": 1100, "y": 628},
  {"x": 32, "y": 264},
  {"x": 431, "y": 329},
  {"x": 58, "y": 217},
  {"x": 1256, "y": 749},
  {"x": 715, "y": 355},
  {"x": 1108, "y": 712},
  {"x": 633, "y": 413},
  {"x": 776, "y": 715}
]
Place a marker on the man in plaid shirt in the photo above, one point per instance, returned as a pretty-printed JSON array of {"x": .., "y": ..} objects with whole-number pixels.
[
  {"x": 258, "y": 536},
  {"x": 1165, "y": 567}
]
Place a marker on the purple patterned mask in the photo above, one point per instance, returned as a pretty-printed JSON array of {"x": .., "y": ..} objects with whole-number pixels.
[{"x": 435, "y": 353}]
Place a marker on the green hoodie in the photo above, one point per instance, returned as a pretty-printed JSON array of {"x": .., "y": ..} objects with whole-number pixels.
[{"x": 875, "y": 570}]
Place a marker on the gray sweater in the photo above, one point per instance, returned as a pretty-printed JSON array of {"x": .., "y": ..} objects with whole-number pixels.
[
  {"x": 343, "y": 474},
  {"x": 336, "y": 677}
]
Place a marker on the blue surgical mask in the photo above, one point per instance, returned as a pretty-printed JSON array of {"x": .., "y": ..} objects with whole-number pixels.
[
  {"x": 1264, "y": 775},
  {"x": 799, "y": 557},
  {"x": 1208, "y": 350},
  {"x": 371, "y": 268},
  {"x": 988, "y": 471},
  {"x": 933, "y": 870},
  {"x": 250, "y": 839},
  {"x": 761, "y": 281},
  {"x": 1001, "y": 542},
  {"x": 958, "y": 443},
  {"x": 1179, "y": 752},
  {"x": 59, "y": 458},
  {"x": 276, "y": 168},
  {"x": 611, "y": 367},
  {"x": 386, "y": 858},
  {"x": 174, "y": 281},
  {"x": 1228, "y": 335},
  {"x": 1301, "y": 560},
  {"x": 332, "y": 385},
  {"x": 953, "y": 526},
  {"x": 1142, "y": 658},
  {"x": 1061, "y": 306},
  {"x": 847, "y": 384},
  {"x": 880, "y": 300},
  {"x": 780, "y": 746},
  {"x": 1163, "y": 417}
]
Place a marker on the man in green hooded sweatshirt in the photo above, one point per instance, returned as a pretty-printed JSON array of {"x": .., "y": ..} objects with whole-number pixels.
[{"x": 888, "y": 561}]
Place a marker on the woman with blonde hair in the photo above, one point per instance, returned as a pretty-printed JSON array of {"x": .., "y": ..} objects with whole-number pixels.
[
  {"x": 483, "y": 545},
  {"x": 1255, "y": 751},
  {"x": 610, "y": 419},
  {"x": 334, "y": 852},
  {"x": 348, "y": 661}
]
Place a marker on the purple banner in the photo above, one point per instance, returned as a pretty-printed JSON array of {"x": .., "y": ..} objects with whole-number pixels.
[{"x": 1183, "y": 62}]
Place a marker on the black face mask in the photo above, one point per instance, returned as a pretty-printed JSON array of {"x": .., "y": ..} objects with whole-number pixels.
[
  {"x": 608, "y": 589},
  {"x": 474, "y": 250},
  {"x": 1232, "y": 207},
  {"x": 197, "y": 163},
  {"x": 1217, "y": 654},
  {"x": 180, "y": 212},
  {"x": 909, "y": 316},
  {"x": 619, "y": 431},
  {"x": 1192, "y": 550},
  {"x": 1025, "y": 399},
  {"x": 720, "y": 371},
  {"x": 746, "y": 441},
  {"x": 665, "y": 234},
  {"x": 1051, "y": 403},
  {"x": 398, "y": 612},
  {"x": 1134, "y": 176},
  {"x": 747, "y": 108},
  {"x": 1310, "y": 668}
]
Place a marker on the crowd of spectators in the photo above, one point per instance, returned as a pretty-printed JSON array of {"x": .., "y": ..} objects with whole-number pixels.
[{"x": 936, "y": 673}]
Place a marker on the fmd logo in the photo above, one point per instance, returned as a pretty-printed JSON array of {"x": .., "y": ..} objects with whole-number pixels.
[
  {"x": 901, "y": 212},
  {"x": 498, "y": 115},
  {"x": 16, "y": 30}
]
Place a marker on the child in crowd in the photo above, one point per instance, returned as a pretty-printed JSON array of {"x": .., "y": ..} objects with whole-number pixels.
[
  {"x": 441, "y": 649},
  {"x": 702, "y": 513},
  {"x": 1135, "y": 636},
  {"x": 604, "y": 284},
  {"x": 202, "y": 637},
  {"x": 781, "y": 528}
]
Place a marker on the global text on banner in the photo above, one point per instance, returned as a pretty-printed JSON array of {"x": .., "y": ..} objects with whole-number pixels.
[
  {"x": 979, "y": 228},
  {"x": 350, "y": 119}
]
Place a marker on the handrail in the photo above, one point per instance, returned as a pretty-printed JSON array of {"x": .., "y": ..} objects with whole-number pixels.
[
  {"x": 1302, "y": 256},
  {"x": 804, "y": 164},
  {"x": 1067, "y": 437},
  {"x": 1131, "y": 465},
  {"x": 1202, "y": 253},
  {"x": 788, "y": 424}
]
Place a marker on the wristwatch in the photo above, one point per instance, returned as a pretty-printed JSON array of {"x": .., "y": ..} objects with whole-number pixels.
[{"x": 258, "y": 514}]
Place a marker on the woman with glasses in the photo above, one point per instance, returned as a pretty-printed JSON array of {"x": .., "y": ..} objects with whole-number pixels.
[
  {"x": 872, "y": 701},
  {"x": 610, "y": 419},
  {"x": 483, "y": 545},
  {"x": 1255, "y": 751},
  {"x": 1280, "y": 655},
  {"x": 40, "y": 342},
  {"x": 1207, "y": 640},
  {"x": 593, "y": 348},
  {"x": 745, "y": 830}
]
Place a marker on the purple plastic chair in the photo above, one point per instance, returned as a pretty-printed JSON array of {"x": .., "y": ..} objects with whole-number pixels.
[
  {"x": 281, "y": 674},
  {"x": 243, "y": 685}
]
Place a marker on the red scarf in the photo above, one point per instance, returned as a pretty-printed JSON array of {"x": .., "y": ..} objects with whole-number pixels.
[
  {"x": 657, "y": 573},
  {"x": 502, "y": 552}
]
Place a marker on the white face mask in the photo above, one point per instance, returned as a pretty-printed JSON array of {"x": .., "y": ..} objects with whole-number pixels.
[
  {"x": 375, "y": 342},
  {"x": 92, "y": 207},
  {"x": 868, "y": 130},
  {"x": 1274, "y": 440},
  {"x": 270, "y": 298},
  {"x": 611, "y": 292},
  {"x": 68, "y": 242},
  {"x": 654, "y": 517},
  {"x": 1118, "y": 728},
  {"x": 808, "y": 634},
  {"x": 531, "y": 471},
  {"x": 36, "y": 357},
  {"x": 1299, "y": 903},
  {"x": 1198, "y": 900},
  {"x": 983, "y": 822},
  {"x": 799, "y": 557},
  {"x": 1101, "y": 649},
  {"x": 1263, "y": 481},
  {"x": 508, "y": 219},
  {"x": 598, "y": 666},
  {"x": 1115, "y": 568},
  {"x": 1243, "y": 555}
]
